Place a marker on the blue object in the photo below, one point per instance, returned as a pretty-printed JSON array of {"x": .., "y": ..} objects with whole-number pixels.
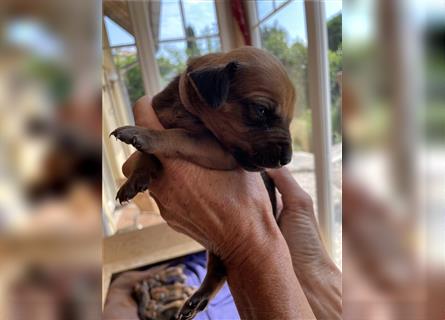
[{"x": 221, "y": 307}]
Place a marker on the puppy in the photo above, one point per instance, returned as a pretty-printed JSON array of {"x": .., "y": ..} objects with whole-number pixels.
[{"x": 227, "y": 110}]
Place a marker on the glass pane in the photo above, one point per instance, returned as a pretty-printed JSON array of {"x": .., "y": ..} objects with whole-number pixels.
[
  {"x": 280, "y": 2},
  {"x": 116, "y": 34},
  {"x": 208, "y": 45},
  {"x": 334, "y": 26},
  {"x": 200, "y": 18},
  {"x": 290, "y": 19},
  {"x": 171, "y": 22},
  {"x": 171, "y": 58},
  {"x": 264, "y": 8},
  {"x": 126, "y": 62}
]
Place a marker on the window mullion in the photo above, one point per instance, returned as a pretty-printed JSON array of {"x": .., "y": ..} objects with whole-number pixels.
[
  {"x": 319, "y": 100},
  {"x": 139, "y": 16},
  {"x": 181, "y": 10}
]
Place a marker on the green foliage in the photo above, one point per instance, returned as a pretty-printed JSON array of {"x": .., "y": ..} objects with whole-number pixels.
[
  {"x": 56, "y": 79},
  {"x": 192, "y": 48},
  {"x": 335, "y": 66},
  {"x": 335, "y": 32},
  {"x": 132, "y": 77}
]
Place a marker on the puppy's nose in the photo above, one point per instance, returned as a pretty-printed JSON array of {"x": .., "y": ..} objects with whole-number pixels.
[{"x": 286, "y": 155}]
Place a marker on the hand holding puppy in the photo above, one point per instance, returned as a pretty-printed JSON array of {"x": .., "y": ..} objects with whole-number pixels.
[{"x": 230, "y": 212}]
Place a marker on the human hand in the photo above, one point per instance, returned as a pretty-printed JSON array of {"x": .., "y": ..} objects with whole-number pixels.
[
  {"x": 317, "y": 273},
  {"x": 159, "y": 293},
  {"x": 229, "y": 213},
  {"x": 120, "y": 303}
]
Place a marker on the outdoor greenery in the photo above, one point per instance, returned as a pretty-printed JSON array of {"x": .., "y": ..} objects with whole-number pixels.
[{"x": 293, "y": 54}]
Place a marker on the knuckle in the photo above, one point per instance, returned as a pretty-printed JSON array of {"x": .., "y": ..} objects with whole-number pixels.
[
  {"x": 305, "y": 200},
  {"x": 301, "y": 200}
]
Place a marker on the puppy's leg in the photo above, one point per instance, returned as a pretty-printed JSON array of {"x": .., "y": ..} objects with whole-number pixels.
[
  {"x": 146, "y": 167},
  {"x": 213, "y": 281},
  {"x": 201, "y": 149},
  {"x": 270, "y": 187}
]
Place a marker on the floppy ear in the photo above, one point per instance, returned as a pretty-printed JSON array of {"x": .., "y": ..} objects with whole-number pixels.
[{"x": 213, "y": 83}]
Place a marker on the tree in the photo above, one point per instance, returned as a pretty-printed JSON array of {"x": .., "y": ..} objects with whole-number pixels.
[
  {"x": 335, "y": 32},
  {"x": 293, "y": 55},
  {"x": 192, "y": 47},
  {"x": 132, "y": 75}
]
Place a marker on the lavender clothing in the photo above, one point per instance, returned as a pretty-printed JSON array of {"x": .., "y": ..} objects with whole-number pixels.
[{"x": 221, "y": 307}]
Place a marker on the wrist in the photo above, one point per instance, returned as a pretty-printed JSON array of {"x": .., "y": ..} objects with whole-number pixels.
[
  {"x": 263, "y": 283},
  {"x": 258, "y": 251},
  {"x": 251, "y": 244},
  {"x": 323, "y": 288}
]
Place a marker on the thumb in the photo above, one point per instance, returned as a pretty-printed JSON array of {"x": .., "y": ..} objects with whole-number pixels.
[{"x": 291, "y": 192}]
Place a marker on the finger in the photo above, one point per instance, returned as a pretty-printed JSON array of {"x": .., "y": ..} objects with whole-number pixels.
[
  {"x": 128, "y": 166},
  {"x": 291, "y": 192},
  {"x": 144, "y": 114}
]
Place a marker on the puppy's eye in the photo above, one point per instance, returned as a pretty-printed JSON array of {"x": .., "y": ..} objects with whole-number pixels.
[{"x": 261, "y": 111}]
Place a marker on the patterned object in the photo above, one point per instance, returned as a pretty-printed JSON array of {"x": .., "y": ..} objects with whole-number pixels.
[{"x": 161, "y": 295}]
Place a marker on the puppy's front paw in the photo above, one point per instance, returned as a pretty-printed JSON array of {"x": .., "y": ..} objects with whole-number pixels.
[
  {"x": 136, "y": 183},
  {"x": 140, "y": 138},
  {"x": 195, "y": 304}
]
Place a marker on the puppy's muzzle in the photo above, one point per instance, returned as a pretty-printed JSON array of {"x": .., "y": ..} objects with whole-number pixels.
[
  {"x": 274, "y": 156},
  {"x": 265, "y": 156}
]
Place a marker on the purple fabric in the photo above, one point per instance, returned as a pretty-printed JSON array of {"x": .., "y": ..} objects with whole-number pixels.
[{"x": 222, "y": 307}]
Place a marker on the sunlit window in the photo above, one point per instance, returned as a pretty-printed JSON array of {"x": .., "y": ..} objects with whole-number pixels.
[
  {"x": 182, "y": 29},
  {"x": 123, "y": 48}
]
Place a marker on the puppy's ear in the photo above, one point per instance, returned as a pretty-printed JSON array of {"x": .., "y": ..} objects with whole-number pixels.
[{"x": 213, "y": 83}]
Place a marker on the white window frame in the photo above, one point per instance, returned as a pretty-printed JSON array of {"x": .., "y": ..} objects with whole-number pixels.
[
  {"x": 139, "y": 16},
  {"x": 319, "y": 102}
]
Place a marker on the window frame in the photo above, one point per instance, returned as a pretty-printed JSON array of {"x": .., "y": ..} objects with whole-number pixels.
[{"x": 139, "y": 16}]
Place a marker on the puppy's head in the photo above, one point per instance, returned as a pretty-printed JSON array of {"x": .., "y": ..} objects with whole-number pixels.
[{"x": 246, "y": 99}]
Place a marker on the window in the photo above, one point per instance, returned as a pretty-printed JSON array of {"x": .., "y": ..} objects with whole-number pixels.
[
  {"x": 124, "y": 52},
  {"x": 182, "y": 29}
]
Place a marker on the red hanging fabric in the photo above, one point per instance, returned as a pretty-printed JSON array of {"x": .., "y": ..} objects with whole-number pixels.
[{"x": 239, "y": 14}]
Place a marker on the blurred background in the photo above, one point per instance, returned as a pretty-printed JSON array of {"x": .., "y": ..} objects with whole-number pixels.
[
  {"x": 50, "y": 160},
  {"x": 394, "y": 167},
  {"x": 381, "y": 100}
]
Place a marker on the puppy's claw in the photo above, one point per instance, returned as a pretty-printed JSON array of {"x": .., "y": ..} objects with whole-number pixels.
[
  {"x": 135, "y": 184},
  {"x": 140, "y": 138},
  {"x": 194, "y": 305}
]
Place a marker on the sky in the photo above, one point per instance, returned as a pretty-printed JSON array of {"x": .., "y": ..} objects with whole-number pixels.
[
  {"x": 34, "y": 36},
  {"x": 202, "y": 15}
]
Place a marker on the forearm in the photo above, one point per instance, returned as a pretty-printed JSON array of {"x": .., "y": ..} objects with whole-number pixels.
[
  {"x": 317, "y": 273},
  {"x": 323, "y": 289},
  {"x": 264, "y": 285}
]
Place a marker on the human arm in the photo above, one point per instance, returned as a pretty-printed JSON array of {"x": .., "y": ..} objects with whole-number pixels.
[
  {"x": 230, "y": 214},
  {"x": 317, "y": 273}
]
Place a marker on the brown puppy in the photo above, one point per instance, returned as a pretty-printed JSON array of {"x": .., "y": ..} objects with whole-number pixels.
[{"x": 226, "y": 110}]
